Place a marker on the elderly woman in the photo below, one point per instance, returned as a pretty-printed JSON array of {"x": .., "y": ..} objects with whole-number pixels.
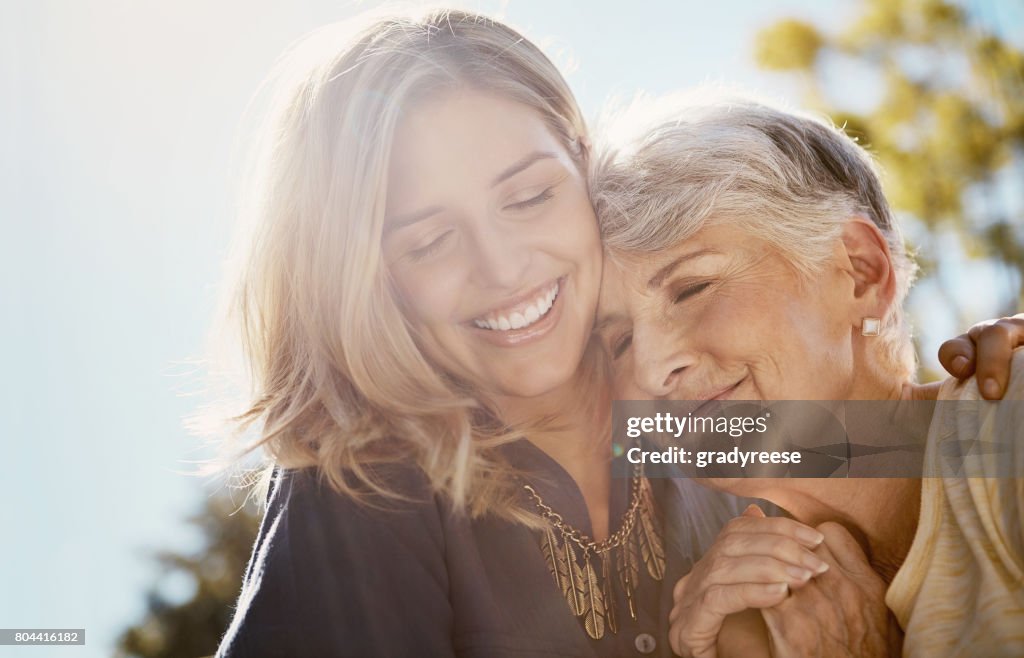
[{"x": 753, "y": 256}]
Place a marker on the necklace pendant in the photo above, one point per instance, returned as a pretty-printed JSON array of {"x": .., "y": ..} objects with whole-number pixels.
[
  {"x": 558, "y": 565},
  {"x": 609, "y": 593},
  {"x": 593, "y": 601},
  {"x": 651, "y": 548},
  {"x": 629, "y": 573},
  {"x": 575, "y": 589}
]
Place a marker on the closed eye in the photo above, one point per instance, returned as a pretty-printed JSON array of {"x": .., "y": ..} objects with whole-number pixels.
[
  {"x": 621, "y": 345},
  {"x": 531, "y": 202},
  {"x": 691, "y": 291},
  {"x": 428, "y": 250}
]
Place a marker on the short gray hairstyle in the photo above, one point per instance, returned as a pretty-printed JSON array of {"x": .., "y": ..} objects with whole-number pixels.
[{"x": 664, "y": 169}]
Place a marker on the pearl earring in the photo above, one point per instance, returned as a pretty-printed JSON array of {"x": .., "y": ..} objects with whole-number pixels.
[{"x": 870, "y": 326}]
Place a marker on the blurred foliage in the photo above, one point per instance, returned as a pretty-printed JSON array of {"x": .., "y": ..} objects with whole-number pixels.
[
  {"x": 194, "y": 627},
  {"x": 788, "y": 45},
  {"x": 949, "y": 121}
]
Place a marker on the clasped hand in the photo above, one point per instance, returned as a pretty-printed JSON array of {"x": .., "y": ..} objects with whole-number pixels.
[{"x": 814, "y": 589}]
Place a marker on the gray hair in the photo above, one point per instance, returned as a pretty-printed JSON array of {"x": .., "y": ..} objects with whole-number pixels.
[{"x": 665, "y": 169}]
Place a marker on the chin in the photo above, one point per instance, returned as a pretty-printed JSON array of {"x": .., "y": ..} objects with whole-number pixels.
[
  {"x": 534, "y": 387},
  {"x": 534, "y": 384}
]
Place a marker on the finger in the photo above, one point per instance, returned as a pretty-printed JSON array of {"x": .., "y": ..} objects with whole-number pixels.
[
  {"x": 721, "y": 601},
  {"x": 779, "y": 547},
  {"x": 776, "y": 525},
  {"x": 841, "y": 547},
  {"x": 677, "y": 640},
  {"x": 684, "y": 644},
  {"x": 677, "y": 591},
  {"x": 995, "y": 345},
  {"x": 957, "y": 356},
  {"x": 703, "y": 622},
  {"x": 757, "y": 569},
  {"x": 826, "y": 555}
]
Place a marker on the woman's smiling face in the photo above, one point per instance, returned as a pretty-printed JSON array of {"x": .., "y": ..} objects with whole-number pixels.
[
  {"x": 723, "y": 315},
  {"x": 492, "y": 243}
]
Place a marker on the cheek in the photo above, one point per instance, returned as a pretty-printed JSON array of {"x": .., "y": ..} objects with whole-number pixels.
[
  {"x": 805, "y": 348},
  {"x": 772, "y": 314},
  {"x": 429, "y": 295},
  {"x": 622, "y": 380},
  {"x": 819, "y": 332},
  {"x": 577, "y": 226},
  {"x": 589, "y": 236},
  {"x": 733, "y": 323},
  {"x": 753, "y": 327}
]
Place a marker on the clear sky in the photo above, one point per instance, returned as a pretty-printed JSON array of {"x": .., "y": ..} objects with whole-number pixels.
[{"x": 117, "y": 119}]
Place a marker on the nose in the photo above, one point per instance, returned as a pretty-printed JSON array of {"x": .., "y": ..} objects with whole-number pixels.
[
  {"x": 501, "y": 258},
  {"x": 660, "y": 359}
]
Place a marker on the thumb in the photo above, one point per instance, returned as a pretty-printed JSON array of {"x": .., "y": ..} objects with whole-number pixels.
[
  {"x": 847, "y": 551},
  {"x": 754, "y": 511}
]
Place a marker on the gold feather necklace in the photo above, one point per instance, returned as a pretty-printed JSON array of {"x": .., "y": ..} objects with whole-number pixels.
[{"x": 590, "y": 596}]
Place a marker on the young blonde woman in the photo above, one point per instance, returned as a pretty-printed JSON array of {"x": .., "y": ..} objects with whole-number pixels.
[{"x": 416, "y": 297}]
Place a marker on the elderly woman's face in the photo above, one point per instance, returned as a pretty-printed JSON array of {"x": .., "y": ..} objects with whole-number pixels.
[{"x": 724, "y": 316}]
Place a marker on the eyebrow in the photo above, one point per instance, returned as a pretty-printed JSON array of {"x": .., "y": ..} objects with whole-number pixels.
[
  {"x": 401, "y": 221},
  {"x": 662, "y": 274},
  {"x": 521, "y": 164}
]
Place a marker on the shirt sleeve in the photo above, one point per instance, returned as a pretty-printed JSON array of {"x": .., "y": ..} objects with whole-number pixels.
[{"x": 330, "y": 576}]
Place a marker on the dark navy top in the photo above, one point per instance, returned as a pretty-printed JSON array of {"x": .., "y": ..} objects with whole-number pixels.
[{"x": 331, "y": 577}]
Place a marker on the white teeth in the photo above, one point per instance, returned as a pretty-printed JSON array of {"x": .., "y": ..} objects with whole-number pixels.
[{"x": 522, "y": 318}]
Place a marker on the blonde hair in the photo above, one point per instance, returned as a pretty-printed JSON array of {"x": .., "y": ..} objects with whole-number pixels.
[
  {"x": 668, "y": 167},
  {"x": 339, "y": 380}
]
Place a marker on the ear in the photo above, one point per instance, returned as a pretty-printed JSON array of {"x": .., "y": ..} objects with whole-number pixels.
[{"x": 870, "y": 267}]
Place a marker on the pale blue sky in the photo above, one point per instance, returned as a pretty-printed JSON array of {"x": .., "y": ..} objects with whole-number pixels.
[{"x": 117, "y": 119}]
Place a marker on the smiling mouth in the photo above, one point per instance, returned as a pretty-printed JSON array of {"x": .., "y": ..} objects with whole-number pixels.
[
  {"x": 721, "y": 394},
  {"x": 523, "y": 314}
]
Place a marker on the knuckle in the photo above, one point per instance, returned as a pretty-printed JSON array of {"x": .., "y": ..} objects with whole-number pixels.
[
  {"x": 999, "y": 331},
  {"x": 732, "y": 544},
  {"x": 953, "y": 347},
  {"x": 718, "y": 565},
  {"x": 735, "y": 524},
  {"x": 713, "y": 596},
  {"x": 831, "y": 530},
  {"x": 680, "y": 587}
]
